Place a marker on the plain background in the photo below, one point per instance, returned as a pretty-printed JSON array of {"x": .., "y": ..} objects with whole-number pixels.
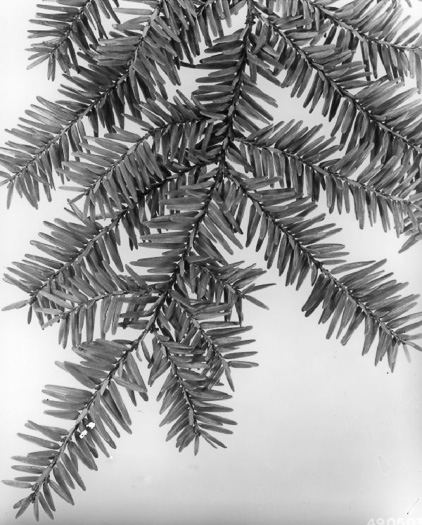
[{"x": 323, "y": 436}]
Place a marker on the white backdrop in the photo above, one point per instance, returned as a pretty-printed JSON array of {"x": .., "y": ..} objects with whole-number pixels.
[{"x": 323, "y": 436}]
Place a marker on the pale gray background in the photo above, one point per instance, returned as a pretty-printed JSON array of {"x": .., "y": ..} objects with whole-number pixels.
[{"x": 323, "y": 436}]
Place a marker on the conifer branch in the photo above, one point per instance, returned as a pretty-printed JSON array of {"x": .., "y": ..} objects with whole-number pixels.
[
  {"x": 68, "y": 447},
  {"x": 310, "y": 171},
  {"x": 105, "y": 90},
  {"x": 68, "y": 254},
  {"x": 116, "y": 183},
  {"x": 335, "y": 76},
  {"x": 301, "y": 252},
  {"x": 69, "y": 23},
  {"x": 375, "y": 26},
  {"x": 185, "y": 179}
]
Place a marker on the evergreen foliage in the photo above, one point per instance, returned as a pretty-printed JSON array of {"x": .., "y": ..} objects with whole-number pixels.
[{"x": 185, "y": 175}]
